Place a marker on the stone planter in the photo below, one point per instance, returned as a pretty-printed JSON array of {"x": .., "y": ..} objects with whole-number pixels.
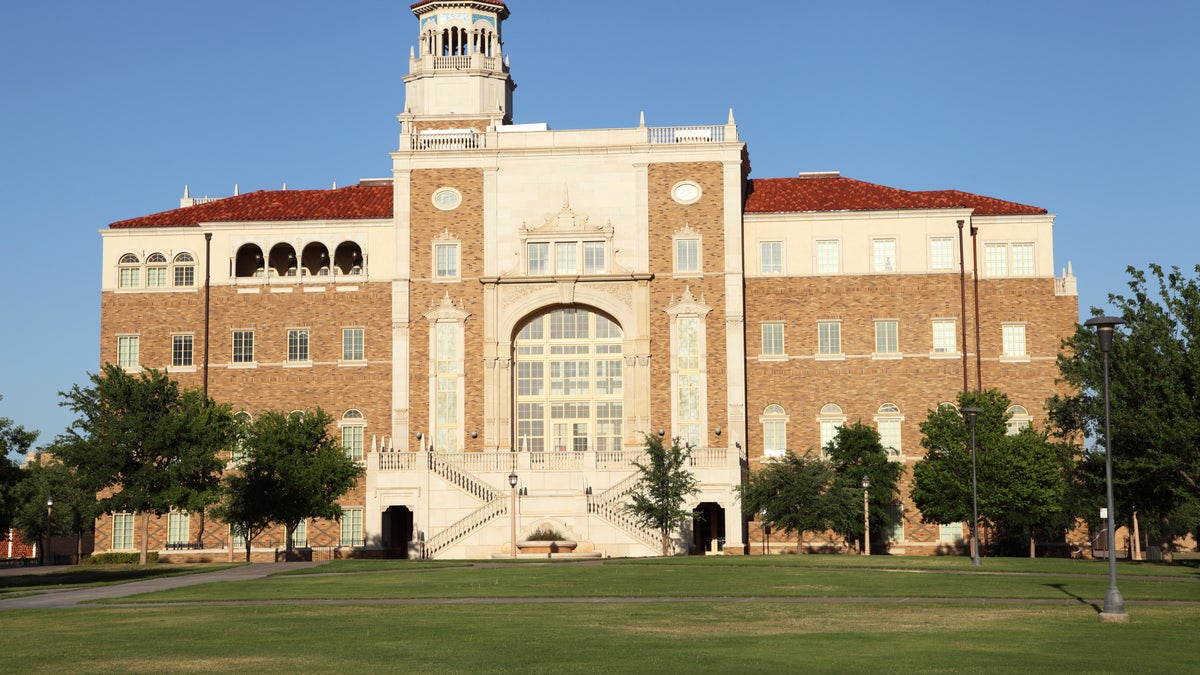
[{"x": 559, "y": 546}]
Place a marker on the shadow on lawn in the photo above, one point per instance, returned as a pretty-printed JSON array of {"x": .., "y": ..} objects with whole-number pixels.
[
  {"x": 1082, "y": 601},
  {"x": 84, "y": 576}
]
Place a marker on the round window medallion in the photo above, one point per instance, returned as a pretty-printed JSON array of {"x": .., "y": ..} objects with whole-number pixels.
[
  {"x": 686, "y": 192},
  {"x": 447, "y": 198}
]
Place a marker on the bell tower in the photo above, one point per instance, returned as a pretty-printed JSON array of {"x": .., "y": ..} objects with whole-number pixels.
[{"x": 458, "y": 75}]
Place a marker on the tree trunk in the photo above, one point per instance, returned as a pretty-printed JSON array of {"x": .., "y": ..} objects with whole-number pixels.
[
  {"x": 200, "y": 531},
  {"x": 1032, "y": 545},
  {"x": 144, "y": 556},
  {"x": 247, "y": 548},
  {"x": 666, "y": 543}
]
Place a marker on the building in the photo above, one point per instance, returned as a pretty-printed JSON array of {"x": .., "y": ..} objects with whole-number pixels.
[{"x": 516, "y": 299}]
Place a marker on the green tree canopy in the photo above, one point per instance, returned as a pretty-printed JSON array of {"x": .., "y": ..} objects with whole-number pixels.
[
  {"x": 857, "y": 451},
  {"x": 789, "y": 494},
  {"x": 75, "y": 507},
  {"x": 14, "y": 440},
  {"x": 1155, "y": 403},
  {"x": 664, "y": 485},
  {"x": 293, "y": 470}
]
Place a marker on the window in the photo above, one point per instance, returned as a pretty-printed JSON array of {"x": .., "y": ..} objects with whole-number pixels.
[
  {"x": 887, "y": 340},
  {"x": 995, "y": 260},
  {"x": 243, "y": 346},
  {"x": 770, "y": 257},
  {"x": 1022, "y": 260},
  {"x": 1014, "y": 340},
  {"x": 297, "y": 345},
  {"x": 238, "y": 537},
  {"x": 447, "y": 335},
  {"x": 539, "y": 259},
  {"x": 774, "y": 423},
  {"x": 122, "y": 536},
  {"x": 446, "y": 259},
  {"x": 883, "y": 255},
  {"x": 1018, "y": 418},
  {"x": 300, "y": 535},
  {"x": 941, "y": 253},
  {"x": 352, "y": 344},
  {"x": 156, "y": 271},
  {"x": 129, "y": 272},
  {"x": 827, "y": 257},
  {"x": 829, "y": 338},
  {"x": 688, "y": 356},
  {"x": 950, "y": 533},
  {"x": 896, "y": 520},
  {"x": 566, "y": 257},
  {"x": 352, "y": 434},
  {"x": 687, "y": 256},
  {"x": 181, "y": 350},
  {"x": 772, "y": 339},
  {"x": 944, "y": 336},
  {"x": 830, "y": 420},
  {"x": 887, "y": 421},
  {"x": 127, "y": 351},
  {"x": 185, "y": 270},
  {"x": 177, "y": 529},
  {"x": 593, "y": 257},
  {"x": 239, "y": 453},
  {"x": 352, "y": 527}
]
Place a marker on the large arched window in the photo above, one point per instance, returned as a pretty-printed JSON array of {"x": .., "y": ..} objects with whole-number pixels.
[
  {"x": 1018, "y": 418},
  {"x": 774, "y": 422},
  {"x": 129, "y": 271},
  {"x": 830, "y": 419},
  {"x": 185, "y": 270},
  {"x": 353, "y": 429},
  {"x": 569, "y": 387},
  {"x": 156, "y": 271},
  {"x": 887, "y": 421}
]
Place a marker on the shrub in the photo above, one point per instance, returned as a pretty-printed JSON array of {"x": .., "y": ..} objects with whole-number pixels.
[
  {"x": 118, "y": 558},
  {"x": 545, "y": 533}
]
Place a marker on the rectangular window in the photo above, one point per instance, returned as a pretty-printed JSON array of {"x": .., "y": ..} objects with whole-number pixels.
[
  {"x": 593, "y": 257},
  {"x": 130, "y": 277},
  {"x": 774, "y": 438},
  {"x": 829, "y": 338},
  {"x": 687, "y": 256},
  {"x": 772, "y": 339},
  {"x": 352, "y": 527},
  {"x": 887, "y": 339},
  {"x": 156, "y": 277},
  {"x": 889, "y": 435},
  {"x": 944, "y": 336},
  {"x": 445, "y": 261},
  {"x": 531, "y": 427},
  {"x": 827, "y": 257},
  {"x": 828, "y": 432},
  {"x": 995, "y": 260},
  {"x": 770, "y": 257},
  {"x": 1014, "y": 340},
  {"x": 688, "y": 406},
  {"x": 122, "y": 538},
  {"x": 941, "y": 253},
  {"x": 352, "y": 344},
  {"x": 883, "y": 255},
  {"x": 566, "y": 258},
  {"x": 352, "y": 441},
  {"x": 177, "y": 529},
  {"x": 951, "y": 533},
  {"x": 185, "y": 276},
  {"x": 297, "y": 345},
  {"x": 608, "y": 425},
  {"x": 243, "y": 346},
  {"x": 127, "y": 351},
  {"x": 446, "y": 388},
  {"x": 1022, "y": 260},
  {"x": 181, "y": 350},
  {"x": 300, "y": 535},
  {"x": 539, "y": 259}
]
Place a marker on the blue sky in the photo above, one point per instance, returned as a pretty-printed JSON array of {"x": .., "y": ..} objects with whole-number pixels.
[{"x": 108, "y": 109}]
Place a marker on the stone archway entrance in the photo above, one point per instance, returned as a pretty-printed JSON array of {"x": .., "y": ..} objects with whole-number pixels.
[
  {"x": 397, "y": 531},
  {"x": 708, "y": 528}
]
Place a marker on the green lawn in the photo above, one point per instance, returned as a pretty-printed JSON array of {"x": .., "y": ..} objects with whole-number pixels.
[
  {"x": 94, "y": 575},
  {"x": 491, "y": 621}
]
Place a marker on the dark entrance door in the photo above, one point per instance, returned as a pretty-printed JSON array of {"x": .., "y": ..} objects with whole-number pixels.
[
  {"x": 397, "y": 531},
  {"x": 708, "y": 528}
]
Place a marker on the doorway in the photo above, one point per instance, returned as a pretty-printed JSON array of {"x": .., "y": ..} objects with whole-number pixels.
[
  {"x": 708, "y": 528},
  {"x": 397, "y": 531}
]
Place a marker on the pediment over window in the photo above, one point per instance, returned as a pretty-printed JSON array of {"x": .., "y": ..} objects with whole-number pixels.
[
  {"x": 566, "y": 222},
  {"x": 446, "y": 310}
]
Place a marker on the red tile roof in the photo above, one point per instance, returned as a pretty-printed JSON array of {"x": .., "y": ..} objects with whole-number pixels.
[
  {"x": 836, "y": 193},
  {"x": 357, "y": 202}
]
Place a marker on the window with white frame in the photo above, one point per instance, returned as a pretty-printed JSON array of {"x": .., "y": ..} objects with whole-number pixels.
[
  {"x": 353, "y": 428},
  {"x": 239, "y": 453},
  {"x": 129, "y": 271},
  {"x": 569, "y": 257},
  {"x": 1018, "y": 419},
  {"x": 156, "y": 271},
  {"x": 352, "y": 527},
  {"x": 447, "y": 387},
  {"x": 687, "y": 372},
  {"x": 178, "y": 524},
  {"x": 127, "y": 351},
  {"x": 941, "y": 253},
  {"x": 1022, "y": 260},
  {"x": 772, "y": 339},
  {"x": 828, "y": 256},
  {"x": 945, "y": 337},
  {"x": 446, "y": 261},
  {"x": 538, "y": 258},
  {"x": 122, "y": 532},
  {"x": 593, "y": 257},
  {"x": 243, "y": 346},
  {"x": 297, "y": 345},
  {"x": 829, "y": 338},
  {"x": 237, "y": 537},
  {"x": 830, "y": 419},
  {"x": 182, "y": 348},
  {"x": 883, "y": 255},
  {"x": 770, "y": 257},
  {"x": 995, "y": 260},
  {"x": 687, "y": 255},
  {"x": 896, "y": 521},
  {"x": 887, "y": 422},
  {"x": 185, "y": 270},
  {"x": 352, "y": 344},
  {"x": 774, "y": 423},
  {"x": 950, "y": 533},
  {"x": 887, "y": 337},
  {"x": 1014, "y": 340},
  {"x": 300, "y": 534}
]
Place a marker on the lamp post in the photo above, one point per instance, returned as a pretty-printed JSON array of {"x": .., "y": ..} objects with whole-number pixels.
[
  {"x": 512, "y": 484},
  {"x": 1114, "y": 604},
  {"x": 866, "y": 485},
  {"x": 972, "y": 417},
  {"x": 49, "y": 511},
  {"x": 766, "y": 528}
]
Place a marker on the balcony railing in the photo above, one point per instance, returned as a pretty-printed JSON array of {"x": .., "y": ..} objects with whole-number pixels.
[
  {"x": 505, "y": 462},
  {"x": 661, "y": 135}
]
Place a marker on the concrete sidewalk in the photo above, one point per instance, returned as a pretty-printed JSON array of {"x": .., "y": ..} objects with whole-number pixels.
[{"x": 71, "y": 597}]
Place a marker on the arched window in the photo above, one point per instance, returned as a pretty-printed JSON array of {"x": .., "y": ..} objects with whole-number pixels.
[
  {"x": 129, "y": 271},
  {"x": 282, "y": 262},
  {"x": 830, "y": 419},
  {"x": 887, "y": 421},
  {"x": 1018, "y": 418},
  {"x": 353, "y": 429},
  {"x": 315, "y": 260},
  {"x": 348, "y": 258},
  {"x": 249, "y": 262},
  {"x": 774, "y": 423},
  {"x": 156, "y": 271},
  {"x": 185, "y": 270}
]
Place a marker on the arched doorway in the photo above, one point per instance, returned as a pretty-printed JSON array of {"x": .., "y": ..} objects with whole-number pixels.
[
  {"x": 397, "y": 531},
  {"x": 708, "y": 528},
  {"x": 568, "y": 383}
]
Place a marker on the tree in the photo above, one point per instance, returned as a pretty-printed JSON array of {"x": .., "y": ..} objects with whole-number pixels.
[
  {"x": 857, "y": 451},
  {"x": 75, "y": 507},
  {"x": 14, "y": 439},
  {"x": 790, "y": 494},
  {"x": 1154, "y": 401},
  {"x": 144, "y": 445},
  {"x": 294, "y": 469},
  {"x": 1022, "y": 479},
  {"x": 663, "y": 486}
]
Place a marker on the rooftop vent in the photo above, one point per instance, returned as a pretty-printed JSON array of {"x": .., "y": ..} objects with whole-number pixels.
[{"x": 820, "y": 174}]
